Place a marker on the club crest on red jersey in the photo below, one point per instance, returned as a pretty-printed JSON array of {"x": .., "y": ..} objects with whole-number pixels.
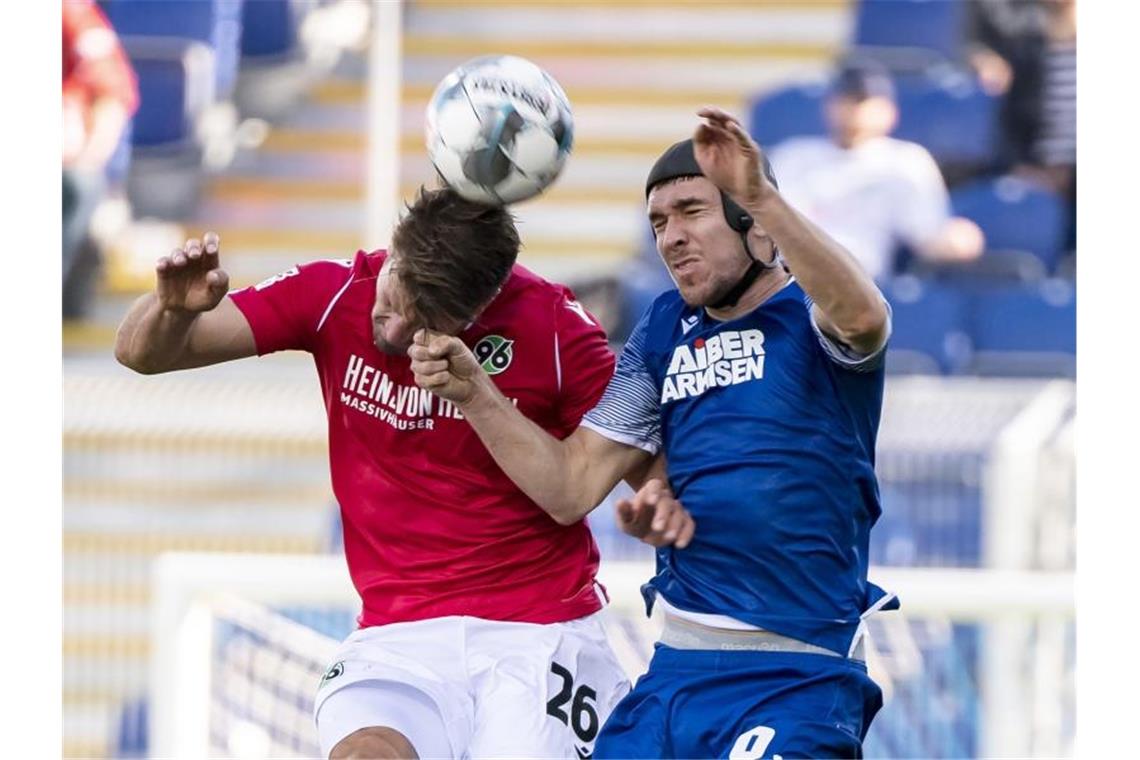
[{"x": 494, "y": 353}]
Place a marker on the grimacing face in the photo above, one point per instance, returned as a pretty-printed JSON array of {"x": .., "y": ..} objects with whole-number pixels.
[
  {"x": 394, "y": 322},
  {"x": 705, "y": 256}
]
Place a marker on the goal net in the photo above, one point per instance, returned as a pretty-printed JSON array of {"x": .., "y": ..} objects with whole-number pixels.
[{"x": 978, "y": 662}]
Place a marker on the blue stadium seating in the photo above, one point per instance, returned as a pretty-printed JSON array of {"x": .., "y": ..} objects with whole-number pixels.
[
  {"x": 951, "y": 117},
  {"x": 947, "y": 114},
  {"x": 921, "y": 25},
  {"x": 175, "y": 79},
  {"x": 120, "y": 161},
  {"x": 216, "y": 23},
  {"x": 131, "y": 734},
  {"x": 171, "y": 73},
  {"x": 1028, "y": 330},
  {"x": 1015, "y": 215},
  {"x": 928, "y": 327},
  {"x": 788, "y": 112},
  {"x": 268, "y": 28}
]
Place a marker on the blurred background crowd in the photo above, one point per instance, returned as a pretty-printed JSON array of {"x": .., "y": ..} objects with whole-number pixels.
[{"x": 936, "y": 139}]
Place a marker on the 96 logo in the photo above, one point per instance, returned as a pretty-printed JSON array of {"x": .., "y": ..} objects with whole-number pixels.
[
  {"x": 581, "y": 717},
  {"x": 494, "y": 353}
]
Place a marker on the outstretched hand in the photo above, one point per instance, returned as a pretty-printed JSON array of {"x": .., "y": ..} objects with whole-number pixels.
[
  {"x": 189, "y": 279},
  {"x": 444, "y": 365},
  {"x": 655, "y": 517},
  {"x": 729, "y": 157}
]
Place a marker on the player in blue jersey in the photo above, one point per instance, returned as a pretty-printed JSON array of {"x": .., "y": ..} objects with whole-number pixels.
[{"x": 760, "y": 379}]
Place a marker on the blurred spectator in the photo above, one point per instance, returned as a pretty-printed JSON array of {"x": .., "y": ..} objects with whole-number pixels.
[
  {"x": 868, "y": 190},
  {"x": 1026, "y": 50},
  {"x": 99, "y": 96}
]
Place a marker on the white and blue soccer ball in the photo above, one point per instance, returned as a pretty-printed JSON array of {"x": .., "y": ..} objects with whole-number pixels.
[{"x": 499, "y": 129}]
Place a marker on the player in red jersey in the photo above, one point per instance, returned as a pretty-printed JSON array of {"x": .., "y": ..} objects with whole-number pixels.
[{"x": 478, "y": 635}]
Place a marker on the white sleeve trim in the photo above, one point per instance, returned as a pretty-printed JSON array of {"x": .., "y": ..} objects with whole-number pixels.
[
  {"x": 329, "y": 308},
  {"x": 621, "y": 437},
  {"x": 557, "y": 363},
  {"x": 629, "y": 410},
  {"x": 844, "y": 355}
]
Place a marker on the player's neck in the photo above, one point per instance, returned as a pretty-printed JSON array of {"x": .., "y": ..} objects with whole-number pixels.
[{"x": 765, "y": 286}]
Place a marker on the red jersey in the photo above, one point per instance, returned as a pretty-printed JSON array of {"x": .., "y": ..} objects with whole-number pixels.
[{"x": 432, "y": 526}]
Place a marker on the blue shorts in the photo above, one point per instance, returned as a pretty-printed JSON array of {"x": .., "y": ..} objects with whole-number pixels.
[{"x": 743, "y": 705}]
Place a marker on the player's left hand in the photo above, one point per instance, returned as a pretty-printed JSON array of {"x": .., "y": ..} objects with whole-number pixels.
[
  {"x": 445, "y": 366},
  {"x": 729, "y": 157},
  {"x": 655, "y": 517}
]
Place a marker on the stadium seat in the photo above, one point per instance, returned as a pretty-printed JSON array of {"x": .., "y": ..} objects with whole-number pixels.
[
  {"x": 788, "y": 112},
  {"x": 906, "y": 33},
  {"x": 131, "y": 739},
  {"x": 174, "y": 77},
  {"x": 276, "y": 69},
  {"x": 120, "y": 161},
  {"x": 952, "y": 118},
  {"x": 1025, "y": 331},
  {"x": 175, "y": 80},
  {"x": 928, "y": 334},
  {"x": 215, "y": 23},
  {"x": 994, "y": 269},
  {"x": 268, "y": 29},
  {"x": 1015, "y": 215}
]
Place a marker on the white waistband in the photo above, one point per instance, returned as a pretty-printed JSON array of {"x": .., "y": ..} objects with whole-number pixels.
[{"x": 713, "y": 621}]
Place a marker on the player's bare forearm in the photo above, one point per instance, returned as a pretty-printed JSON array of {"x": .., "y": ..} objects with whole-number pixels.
[
  {"x": 567, "y": 478},
  {"x": 651, "y": 469},
  {"x": 841, "y": 289},
  {"x": 187, "y": 321},
  {"x": 152, "y": 339}
]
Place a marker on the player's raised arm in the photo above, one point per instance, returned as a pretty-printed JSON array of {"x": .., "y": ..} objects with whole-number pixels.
[
  {"x": 848, "y": 305},
  {"x": 567, "y": 478},
  {"x": 187, "y": 321}
]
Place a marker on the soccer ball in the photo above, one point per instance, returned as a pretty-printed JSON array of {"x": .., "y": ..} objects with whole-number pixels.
[{"x": 499, "y": 129}]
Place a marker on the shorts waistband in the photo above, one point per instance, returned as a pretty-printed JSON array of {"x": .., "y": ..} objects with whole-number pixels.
[{"x": 679, "y": 633}]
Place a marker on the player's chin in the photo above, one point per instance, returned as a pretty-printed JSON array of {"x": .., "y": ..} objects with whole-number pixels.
[
  {"x": 392, "y": 349},
  {"x": 694, "y": 292}
]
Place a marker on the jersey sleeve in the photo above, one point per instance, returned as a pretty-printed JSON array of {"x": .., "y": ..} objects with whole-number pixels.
[
  {"x": 630, "y": 409},
  {"x": 842, "y": 354},
  {"x": 286, "y": 311},
  {"x": 583, "y": 360}
]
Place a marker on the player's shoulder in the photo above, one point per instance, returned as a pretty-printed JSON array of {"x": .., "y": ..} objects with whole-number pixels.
[
  {"x": 331, "y": 269},
  {"x": 666, "y": 312},
  {"x": 338, "y": 273},
  {"x": 365, "y": 263},
  {"x": 527, "y": 293}
]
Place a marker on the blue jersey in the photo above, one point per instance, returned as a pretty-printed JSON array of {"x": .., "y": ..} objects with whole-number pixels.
[{"x": 768, "y": 428}]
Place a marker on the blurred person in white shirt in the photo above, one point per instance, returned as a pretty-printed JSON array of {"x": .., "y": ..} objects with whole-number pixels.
[{"x": 870, "y": 191}]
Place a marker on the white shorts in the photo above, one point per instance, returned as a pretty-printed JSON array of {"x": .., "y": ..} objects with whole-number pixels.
[{"x": 463, "y": 687}]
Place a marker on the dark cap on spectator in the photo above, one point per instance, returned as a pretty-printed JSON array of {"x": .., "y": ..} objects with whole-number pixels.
[{"x": 862, "y": 79}]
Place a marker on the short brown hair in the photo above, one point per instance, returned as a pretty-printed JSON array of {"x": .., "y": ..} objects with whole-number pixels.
[{"x": 452, "y": 254}]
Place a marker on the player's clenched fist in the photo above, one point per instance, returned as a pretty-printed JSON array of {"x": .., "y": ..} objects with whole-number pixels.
[
  {"x": 445, "y": 366},
  {"x": 654, "y": 516},
  {"x": 189, "y": 279}
]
